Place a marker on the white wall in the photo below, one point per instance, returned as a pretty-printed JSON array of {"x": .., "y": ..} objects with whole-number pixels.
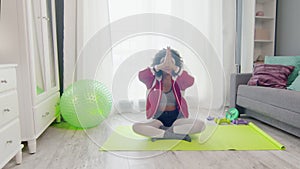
[
  {"x": 247, "y": 43},
  {"x": 70, "y": 41},
  {"x": 229, "y": 39},
  {"x": 288, "y": 26},
  {"x": 9, "y": 41}
]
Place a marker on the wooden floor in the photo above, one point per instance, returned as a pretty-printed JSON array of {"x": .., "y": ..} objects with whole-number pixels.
[{"x": 60, "y": 148}]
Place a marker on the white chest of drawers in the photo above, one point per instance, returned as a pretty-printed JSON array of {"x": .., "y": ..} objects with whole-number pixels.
[
  {"x": 30, "y": 28},
  {"x": 10, "y": 137}
]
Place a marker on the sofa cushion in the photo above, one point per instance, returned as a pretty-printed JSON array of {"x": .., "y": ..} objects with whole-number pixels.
[
  {"x": 270, "y": 75},
  {"x": 296, "y": 84},
  {"x": 286, "y": 60},
  {"x": 282, "y": 98}
]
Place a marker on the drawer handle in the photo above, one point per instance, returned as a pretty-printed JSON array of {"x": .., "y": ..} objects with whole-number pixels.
[
  {"x": 3, "y": 81},
  {"x": 46, "y": 114},
  {"x": 44, "y": 17},
  {"x": 9, "y": 141},
  {"x": 6, "y": 110}
]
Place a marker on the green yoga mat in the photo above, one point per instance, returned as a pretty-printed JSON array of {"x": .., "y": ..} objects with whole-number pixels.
[{"x": 225, "y": 137}]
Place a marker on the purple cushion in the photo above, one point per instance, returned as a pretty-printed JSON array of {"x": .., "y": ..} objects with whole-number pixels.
[{"x": 270, "y": 75}]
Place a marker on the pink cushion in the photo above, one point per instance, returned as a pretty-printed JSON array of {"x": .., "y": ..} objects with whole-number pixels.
[{"x": 270, "y": 75}]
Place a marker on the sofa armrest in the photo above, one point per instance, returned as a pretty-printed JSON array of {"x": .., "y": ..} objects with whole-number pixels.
[{"x": 235, "y": 81}]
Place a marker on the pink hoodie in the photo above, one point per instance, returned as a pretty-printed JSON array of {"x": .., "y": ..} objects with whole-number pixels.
[{"x": 154, "y": 86}]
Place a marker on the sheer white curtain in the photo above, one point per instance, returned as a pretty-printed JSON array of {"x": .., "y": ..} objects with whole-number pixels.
[{"x": 215, "y": 19}]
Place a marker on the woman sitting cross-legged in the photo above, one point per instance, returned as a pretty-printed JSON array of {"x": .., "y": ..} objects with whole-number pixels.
[{"x": 166, "y": 81}]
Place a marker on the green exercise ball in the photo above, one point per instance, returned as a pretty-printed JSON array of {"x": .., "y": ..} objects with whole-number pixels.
[{"x": 85, "y": 103}]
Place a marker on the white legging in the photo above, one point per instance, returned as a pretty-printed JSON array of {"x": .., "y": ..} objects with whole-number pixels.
[{"x": 180, "y": 126}]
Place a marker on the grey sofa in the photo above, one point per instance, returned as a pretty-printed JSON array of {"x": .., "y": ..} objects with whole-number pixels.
[{"x": 277, "y": 107}]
